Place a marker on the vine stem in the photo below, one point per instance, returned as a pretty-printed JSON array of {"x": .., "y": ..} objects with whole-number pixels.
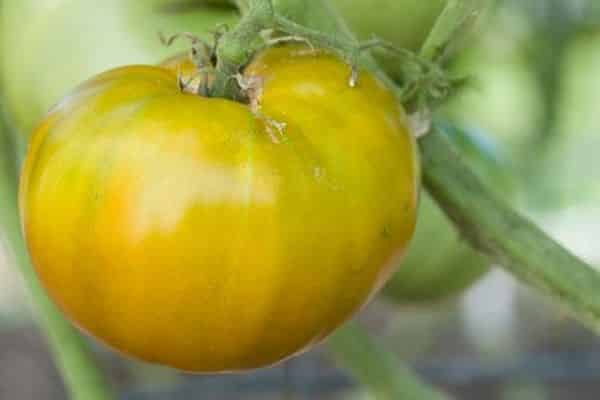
[
  {"x": 82, "y": 376},
  {"x": 237, "y": 46},
  {"x": 512, "y": 241},
  {"x": 377, "y": 368},
  {"x": 457, "y": 17}
]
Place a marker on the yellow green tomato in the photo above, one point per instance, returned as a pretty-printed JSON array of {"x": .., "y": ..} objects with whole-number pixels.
[
  {"x": 440, "y": 263},
  {"x": 49, "y": 46},
  {"x": 210, "y": 235}
]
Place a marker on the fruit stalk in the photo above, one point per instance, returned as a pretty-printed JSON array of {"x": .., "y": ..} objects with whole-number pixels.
[
  {"x": 515, "y": 243},
  {"x": 236, "y": 47},
  {"x": 457, "y": 17}
]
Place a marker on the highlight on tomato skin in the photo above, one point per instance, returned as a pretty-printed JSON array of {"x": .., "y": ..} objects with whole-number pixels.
[{"x": 210, "y": 236}]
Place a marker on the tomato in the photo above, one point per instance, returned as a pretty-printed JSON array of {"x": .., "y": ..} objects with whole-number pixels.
[
  {"x": 425, "y": 276},
  {"x": 428, "y": 276},
  {"x": 68, "y": 41},
  {"x": 210, "y": 235}
]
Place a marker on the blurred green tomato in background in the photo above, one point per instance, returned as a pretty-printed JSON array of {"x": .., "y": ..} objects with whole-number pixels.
[
  {"x": 49, "y": 46},
  {"x": 405, "y": 23},
  {"x": 439, "y": 262}
]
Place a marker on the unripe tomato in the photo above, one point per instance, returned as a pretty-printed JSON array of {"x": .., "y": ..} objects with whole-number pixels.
[
  {"x": 211, "y": 235},
  {"x": 68, "y": 41},
  {"x": 405, "y": 23},
  {"x": 428, "y": 276}
]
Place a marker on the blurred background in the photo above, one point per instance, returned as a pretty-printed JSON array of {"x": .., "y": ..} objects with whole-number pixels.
[{"x": 528, "y": 124}]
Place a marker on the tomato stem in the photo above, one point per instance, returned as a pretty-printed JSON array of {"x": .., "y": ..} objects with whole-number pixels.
[
  {"x": 451, "y": 27},
  {"x": 424, "y": 81},
  {"x": 236, "y": 47},
  {"x": 509, "y": 239}
]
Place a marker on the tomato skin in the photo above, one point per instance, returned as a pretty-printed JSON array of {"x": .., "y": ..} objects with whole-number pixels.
[{"x": 196, "y": 233}]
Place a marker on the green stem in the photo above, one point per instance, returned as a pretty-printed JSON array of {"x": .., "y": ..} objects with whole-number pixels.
[
  {"x": 82, "y": 377},
  {"x": 237, "y": 46},
  {"x": 340, "y": 44},
  {"x": 242, "y": 5},
  {"x": 456, "y": 18},
  {"x": 512, "y": 241},
  {"x": 317, "y": 20},
  {"x": 377, "y": 368}
]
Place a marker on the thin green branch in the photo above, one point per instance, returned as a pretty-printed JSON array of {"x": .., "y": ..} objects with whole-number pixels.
[
  {"x": 83, "y": 378},
  {"x": 515, "y": 243},
  {"x": 457, "y": 17},
  {"x": 235, "y": 48},
  {"x": 340, "y": 44},
  {"x": 377, "y": 368},
  {"x": 242, "y": 5},
  {"x": 357, "y": 53},
  {"x": 316, "y": 22}
]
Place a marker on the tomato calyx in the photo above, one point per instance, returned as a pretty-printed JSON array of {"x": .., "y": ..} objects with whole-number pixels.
[
  {"x": 203, "y": 56},
  {"x": 241, "y": 210},
  {"x": 422, "y": 83}
]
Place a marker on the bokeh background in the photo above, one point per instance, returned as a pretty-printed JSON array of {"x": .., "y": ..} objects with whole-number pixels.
[{"x": 529, "y": 125}]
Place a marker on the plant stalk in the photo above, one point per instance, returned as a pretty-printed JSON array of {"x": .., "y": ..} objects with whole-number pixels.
[
  {"x": 237, "y": 46},
  {"x": 451, "y": 27},
  {"x": 513, "y": 242},
  {"x": 377, "y": 368},
  {"x": 83, "y": 378}
]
